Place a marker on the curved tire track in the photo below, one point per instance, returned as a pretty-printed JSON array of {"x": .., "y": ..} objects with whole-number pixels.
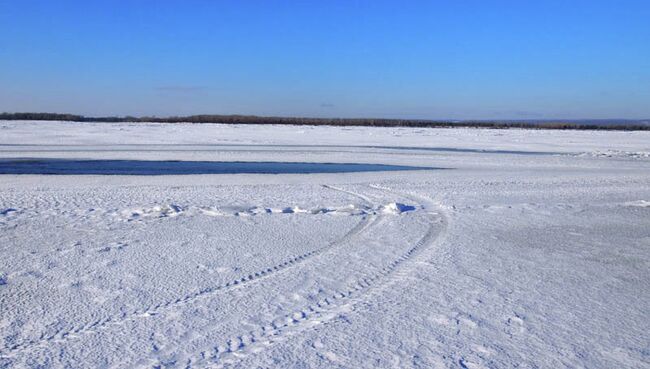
[
  {"x": 325, "y": 309},
  {"x": 105, "y": 322}
]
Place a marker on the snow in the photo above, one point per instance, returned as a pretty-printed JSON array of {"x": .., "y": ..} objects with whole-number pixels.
[
  {"x": 639, "y": 203},
  {"x": 396, "y": 208},
  {"x": 530, "y": 249}
]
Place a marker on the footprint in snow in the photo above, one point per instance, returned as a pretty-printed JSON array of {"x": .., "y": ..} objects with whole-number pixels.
[{"x": 515, "y": 325}]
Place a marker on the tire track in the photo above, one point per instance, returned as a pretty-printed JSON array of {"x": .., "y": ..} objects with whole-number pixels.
[
  {"x": 326, "y": 308},
  {"x": 364, "y": 198},
  {"x": 106, "y": 322}
]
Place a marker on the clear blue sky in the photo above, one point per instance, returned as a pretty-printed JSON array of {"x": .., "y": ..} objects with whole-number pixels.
[{"x": 412, "y": 59}]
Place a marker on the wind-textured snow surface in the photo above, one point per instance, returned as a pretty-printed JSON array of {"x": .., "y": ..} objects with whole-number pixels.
[{"x": 529, "y": 249}]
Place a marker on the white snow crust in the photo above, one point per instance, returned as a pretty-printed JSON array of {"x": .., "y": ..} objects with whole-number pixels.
[{"x": 530, "y": 249}]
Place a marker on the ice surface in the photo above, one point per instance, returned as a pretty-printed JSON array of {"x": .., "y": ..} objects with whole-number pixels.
[
  {"x": 531, "y": 250},
  {"x": 182, "y": 167}
]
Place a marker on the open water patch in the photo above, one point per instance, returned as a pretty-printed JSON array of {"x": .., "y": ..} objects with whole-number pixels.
[{"x": 147, "y": 167}]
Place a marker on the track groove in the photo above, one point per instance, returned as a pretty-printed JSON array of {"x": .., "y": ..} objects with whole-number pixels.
[
  {"x": 103, "y": 323},
  {"x": 319, "y": 312}
]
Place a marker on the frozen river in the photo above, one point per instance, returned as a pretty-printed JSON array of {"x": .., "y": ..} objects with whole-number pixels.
[{"x": 530, "y": 249}]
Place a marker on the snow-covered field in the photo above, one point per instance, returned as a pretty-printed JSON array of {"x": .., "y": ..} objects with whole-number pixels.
[{"x": 531, "y": 249}]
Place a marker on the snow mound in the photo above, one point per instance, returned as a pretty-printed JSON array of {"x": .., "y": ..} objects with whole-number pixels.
[
  {"x": 158, "y": 211},
  {"x": 396, "y": 208},
  {"x": 638, "y": 203},
  {"x": 292, "y": 210},
  {"x": 352, "y": 210},
  {"x": 172, "y": 210}
]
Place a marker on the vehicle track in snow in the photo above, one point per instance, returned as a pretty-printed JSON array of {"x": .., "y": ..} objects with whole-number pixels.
[
  {"x": 105, "y": 322},
  {"x": 328, "y": 308}
]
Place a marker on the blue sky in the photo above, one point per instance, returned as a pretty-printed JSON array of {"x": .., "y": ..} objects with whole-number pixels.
[{"x": 411, "y": 59}]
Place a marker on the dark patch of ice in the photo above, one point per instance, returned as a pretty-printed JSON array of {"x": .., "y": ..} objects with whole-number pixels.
[{"x": 143, "y": 167}]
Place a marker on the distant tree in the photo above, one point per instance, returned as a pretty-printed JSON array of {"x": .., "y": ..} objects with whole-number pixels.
[{"x": 370, "y": 122}]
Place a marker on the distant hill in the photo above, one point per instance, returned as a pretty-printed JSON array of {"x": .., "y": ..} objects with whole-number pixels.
[{"x": 581, "y": 124}]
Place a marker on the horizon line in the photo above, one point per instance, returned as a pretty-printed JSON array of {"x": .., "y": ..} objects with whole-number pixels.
[{"x": 9, "y": 115}]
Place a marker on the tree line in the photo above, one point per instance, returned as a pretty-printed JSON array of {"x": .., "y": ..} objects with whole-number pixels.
[{"x": 366, "y": 122}]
